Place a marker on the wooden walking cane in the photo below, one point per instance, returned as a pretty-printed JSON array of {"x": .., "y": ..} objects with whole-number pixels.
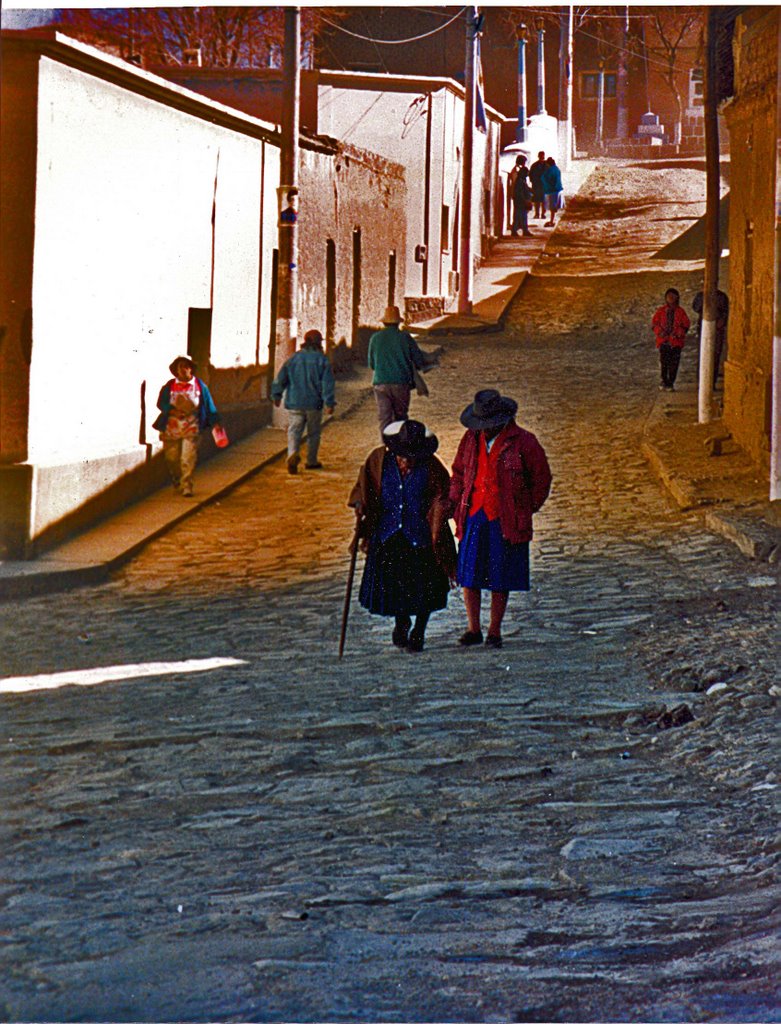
[{"x": 350, "y": 578}]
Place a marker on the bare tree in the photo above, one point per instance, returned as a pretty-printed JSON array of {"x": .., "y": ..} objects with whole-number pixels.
[
  {"x": 677, "y": 47},
  {"x": 217, "y": 37}
]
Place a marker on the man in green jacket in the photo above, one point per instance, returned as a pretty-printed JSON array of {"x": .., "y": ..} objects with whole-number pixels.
[{"x": 393, "y": 355}]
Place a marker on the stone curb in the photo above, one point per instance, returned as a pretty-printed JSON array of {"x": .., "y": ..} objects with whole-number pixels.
[{"x": 730, "y": 501}]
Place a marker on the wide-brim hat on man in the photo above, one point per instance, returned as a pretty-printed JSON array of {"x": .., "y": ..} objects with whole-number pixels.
[
  {"x": 489, "y": 409},
  {"x": 392, "y": 315},
  {"x": 181, "y": 359},
  {"x": 410, "y": 439}
]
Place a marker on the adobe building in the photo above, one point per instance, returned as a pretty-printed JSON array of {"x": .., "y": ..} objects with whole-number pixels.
[
  {"x": 138, "y": 221},
  {"x": 752, "y": 113},
  {"x": 413, "y": 120}
]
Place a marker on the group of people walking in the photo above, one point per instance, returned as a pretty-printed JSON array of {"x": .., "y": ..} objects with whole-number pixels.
[
  {"x": 404, "y": 498},
  {"x": 539, "y": 187}
]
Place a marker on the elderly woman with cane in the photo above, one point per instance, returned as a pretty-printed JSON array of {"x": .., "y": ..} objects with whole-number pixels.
[
  {"x": 500, "y": 479},
  {"x": 401, "y": 500}
]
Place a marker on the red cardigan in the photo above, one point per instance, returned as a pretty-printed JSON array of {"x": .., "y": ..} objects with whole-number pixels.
[
  {"x": 524, "y": 481},
  {"x": 681, "y": 325}
]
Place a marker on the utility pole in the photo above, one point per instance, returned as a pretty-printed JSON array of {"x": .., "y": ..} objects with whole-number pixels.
[
  {"x": 775, "y": 409},
  {"x": 564, "y": 126},
  {"x": 540, "y": 26},
  {"x": 712, "y": 240},
  {"x": 287, "y": 294},
  {"x": 570, "y": 73},
  {"x": 601, "y": 106},
  {"x": 622, "y": 120},
  {"x": 465, "y": 262},
  {"x": 521, "y": 36}
]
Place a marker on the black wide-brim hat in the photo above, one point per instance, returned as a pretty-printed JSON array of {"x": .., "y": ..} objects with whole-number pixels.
[
  {"x": 181, "y": 359},
  {"x": 410, "y": 439},
  {"x": 489, "y": 409}
]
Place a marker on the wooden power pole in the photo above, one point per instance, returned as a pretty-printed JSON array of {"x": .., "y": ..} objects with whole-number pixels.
[{"x": 287, "y": 293}]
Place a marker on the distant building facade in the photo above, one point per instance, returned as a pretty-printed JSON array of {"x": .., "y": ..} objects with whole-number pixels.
[{"x": 597, "y": 41}]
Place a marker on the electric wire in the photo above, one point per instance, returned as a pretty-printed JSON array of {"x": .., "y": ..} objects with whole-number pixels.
[
  {"x": 623, "y": 49},
  {"x": 393, "y": 42}
]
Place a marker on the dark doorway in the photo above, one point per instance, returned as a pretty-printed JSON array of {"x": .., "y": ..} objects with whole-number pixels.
[
  {"x": 392, "y": 278},
  {"x": 330, "y": 294},
  {"x": 356, "y": 311},
  {"x": 199, "y": 338}
]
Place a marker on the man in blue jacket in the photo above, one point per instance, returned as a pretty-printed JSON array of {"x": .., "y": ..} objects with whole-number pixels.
[{"x": 307, "y": 382}]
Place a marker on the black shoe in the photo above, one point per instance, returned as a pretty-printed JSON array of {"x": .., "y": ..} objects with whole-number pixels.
[
  {"x": 292, "y": 463},
  {"x": 400, "y": 635},
  {"x": 314, "y": 465},
  {"x": 470, "y": 639},
  {"x": 493, "y": 641},
  {"x": 415, "y": 642}
]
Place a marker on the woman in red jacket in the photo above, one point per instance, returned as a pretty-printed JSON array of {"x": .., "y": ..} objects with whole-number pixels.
[
  {"x": 500, "y": 478},
  {"x": 670, "y": 324}
]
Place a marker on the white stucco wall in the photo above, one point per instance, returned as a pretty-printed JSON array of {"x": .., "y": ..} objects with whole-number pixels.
[
  {"x": 388, "y": 123},
  {"x": 394, "y": 125},
  {"x": 123, "y": 248}
]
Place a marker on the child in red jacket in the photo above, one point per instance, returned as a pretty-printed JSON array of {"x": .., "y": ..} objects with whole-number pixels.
[{"x": 670, "y": 324}]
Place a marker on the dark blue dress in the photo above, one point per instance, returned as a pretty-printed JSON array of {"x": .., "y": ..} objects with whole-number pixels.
[
  {"x": 402, "y": 575},
  {"x": 486, "y": 561}
]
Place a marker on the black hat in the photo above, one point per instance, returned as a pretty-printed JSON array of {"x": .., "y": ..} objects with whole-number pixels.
[
  {"x": 409, "y": 438},
  {"x": 489, "y": 409},
  {"x": 181, "y": 359}
]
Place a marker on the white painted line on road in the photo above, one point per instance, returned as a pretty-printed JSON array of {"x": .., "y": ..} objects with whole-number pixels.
[{"x": 112, "y": 673}]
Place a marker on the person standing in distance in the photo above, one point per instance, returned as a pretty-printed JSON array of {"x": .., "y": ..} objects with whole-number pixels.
[
  {"x": 535, "y": 179},
  {"x": 307, "y": 382},
  {"x": 393, "y": 355},
  {"x": 522, "y": 195},
  {"x": 552, "y": 187},
  {"x": 670, "y": 324}
]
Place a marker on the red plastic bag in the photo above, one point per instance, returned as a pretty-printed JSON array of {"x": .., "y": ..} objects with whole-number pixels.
[{"x": 220, "y": 437}]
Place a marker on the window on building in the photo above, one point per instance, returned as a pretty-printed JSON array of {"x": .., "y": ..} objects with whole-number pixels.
[
  {"x": 589, "y": 85},
  {"x": 444, "y": 233}
]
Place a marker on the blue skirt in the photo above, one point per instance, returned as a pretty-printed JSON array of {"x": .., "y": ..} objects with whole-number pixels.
[
  {"x": 486, "y": 561},
  {"x": 399, "y": 579}
]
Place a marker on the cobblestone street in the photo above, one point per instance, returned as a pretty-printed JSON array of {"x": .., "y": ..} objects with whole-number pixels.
[{"x": 534, "y": 833}]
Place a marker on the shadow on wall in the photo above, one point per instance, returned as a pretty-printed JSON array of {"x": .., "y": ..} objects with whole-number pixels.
[{"x": 690, "y": 244}]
